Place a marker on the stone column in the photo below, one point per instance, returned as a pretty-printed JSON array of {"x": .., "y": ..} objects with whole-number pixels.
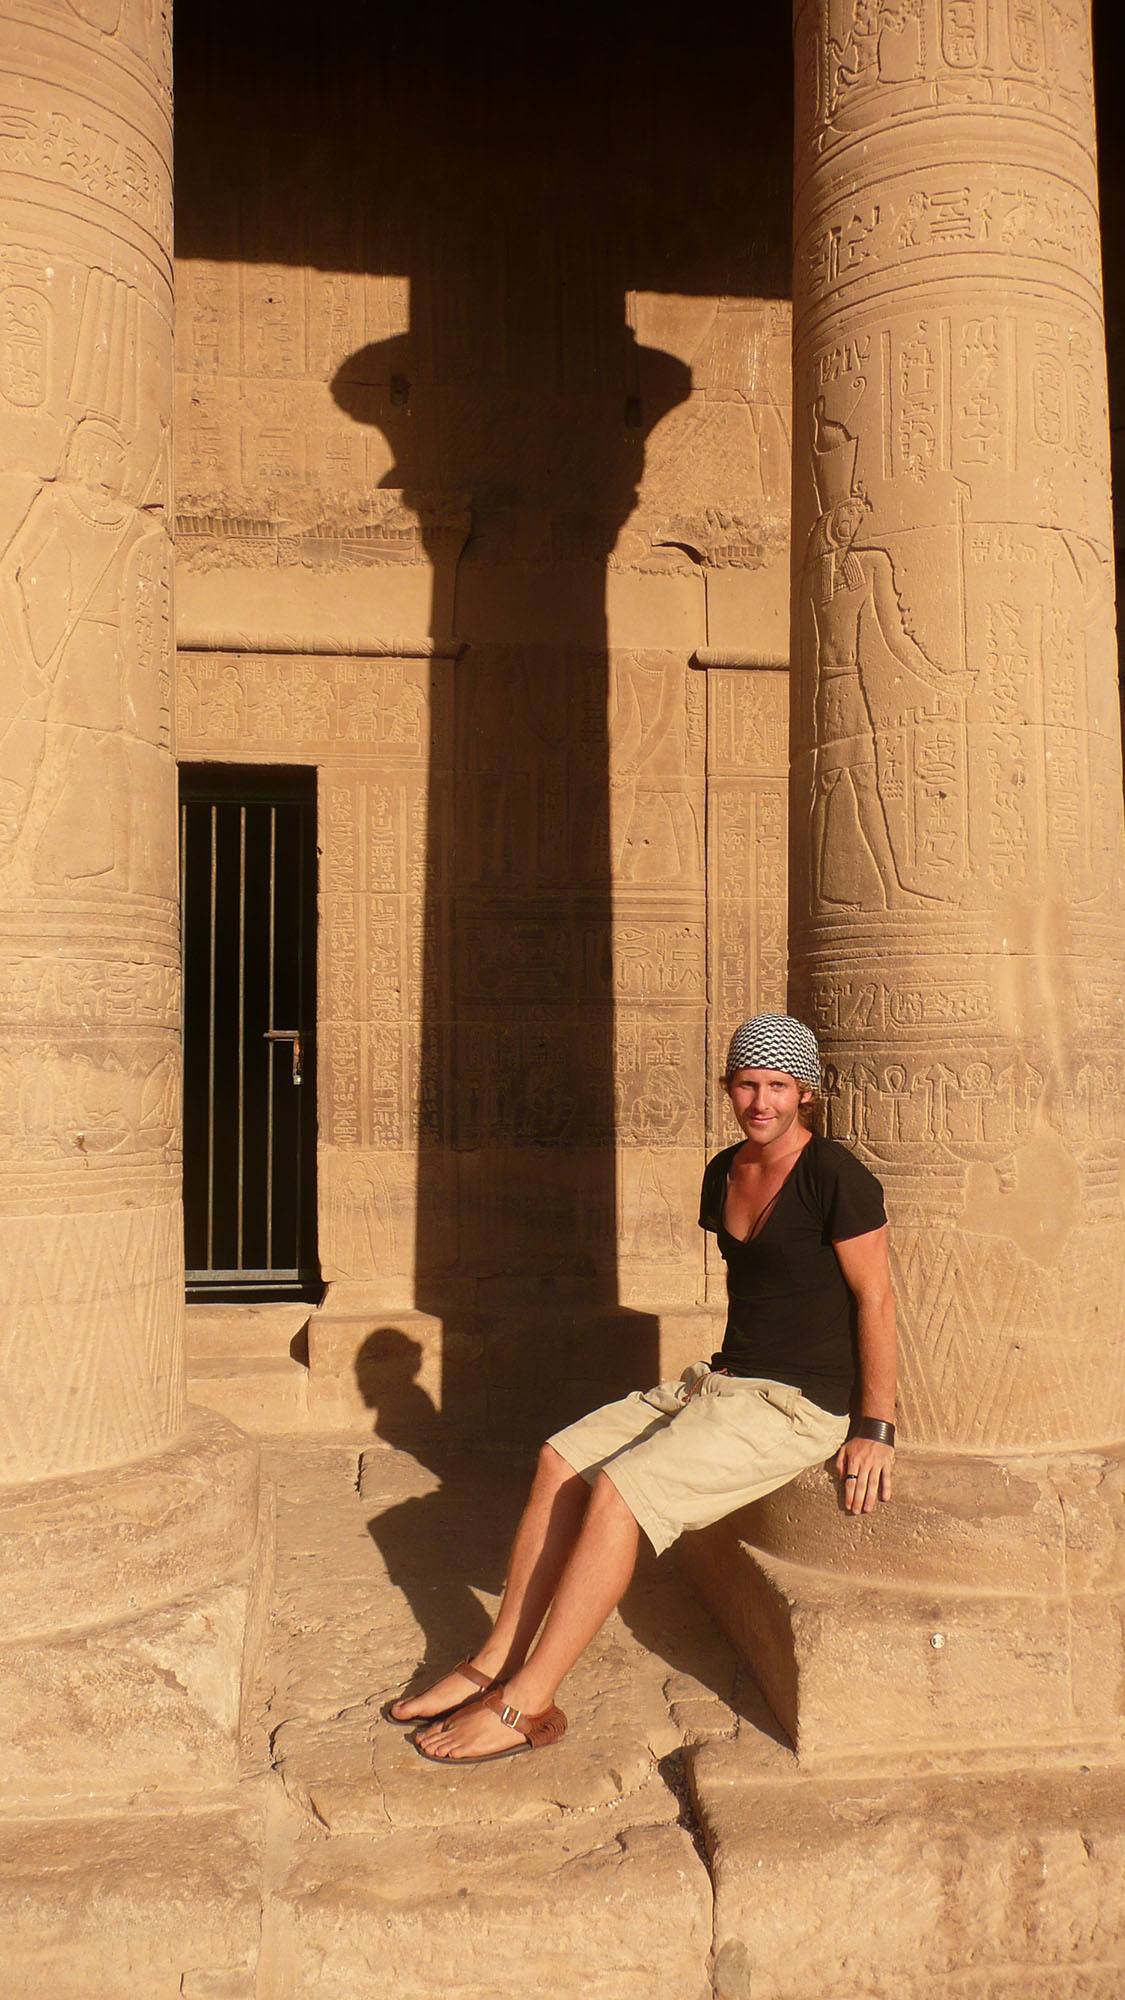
[
  {"x": 956, "y": 791},
  {"x": 91, "y": 1257},
  {"x": 956, "y": 865}
]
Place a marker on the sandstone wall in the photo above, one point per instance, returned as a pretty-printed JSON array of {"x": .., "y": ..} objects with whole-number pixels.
[{"x": 481, "y": 405}]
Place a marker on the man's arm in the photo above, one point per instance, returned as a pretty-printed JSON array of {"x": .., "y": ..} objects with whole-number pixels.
[{"x": 863, "y": 1465}]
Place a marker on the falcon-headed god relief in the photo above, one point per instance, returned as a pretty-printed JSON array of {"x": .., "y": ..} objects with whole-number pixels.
[{"x": 872, "y": 683}]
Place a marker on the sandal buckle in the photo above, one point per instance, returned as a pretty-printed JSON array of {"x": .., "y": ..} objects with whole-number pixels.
[{"x": 510, "y": 1715}]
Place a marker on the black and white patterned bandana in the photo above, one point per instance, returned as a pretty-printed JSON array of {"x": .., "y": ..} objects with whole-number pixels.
[{"x": 776, "y": 1041}]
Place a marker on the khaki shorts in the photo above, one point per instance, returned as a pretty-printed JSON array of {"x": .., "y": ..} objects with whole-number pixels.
[{"x": 689, "y": 1452}]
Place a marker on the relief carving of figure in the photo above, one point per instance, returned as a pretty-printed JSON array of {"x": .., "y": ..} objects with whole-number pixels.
[
  {"x": 882, "y": 42},
  {"x": 869, "y": 670},
  {"x": 656, "y": 835},
  {"x": 63, "y": 782},
  {"x": 361, "y": 1230},
  {"x": 310, "y": 704}
]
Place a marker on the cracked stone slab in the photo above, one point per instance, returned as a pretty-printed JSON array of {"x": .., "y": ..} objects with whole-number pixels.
[
  {"x": 357, "y": 1770},
  {"x": 609, "y": 1911}
]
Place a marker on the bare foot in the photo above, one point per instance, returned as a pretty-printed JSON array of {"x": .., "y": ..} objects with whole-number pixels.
[
  {"x": 444, "y": 1694},
  {"x": 476, "y": 1734}
]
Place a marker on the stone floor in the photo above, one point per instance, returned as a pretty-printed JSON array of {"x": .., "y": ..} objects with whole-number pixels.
[
  {"x": 407, "y": 1879},
  {"x": 346, "y": 1865},
  {"x": 667, "y": 1849}
]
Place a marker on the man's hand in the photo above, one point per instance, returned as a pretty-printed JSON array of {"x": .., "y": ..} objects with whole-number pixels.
[{"x": 864, "y": 1469}]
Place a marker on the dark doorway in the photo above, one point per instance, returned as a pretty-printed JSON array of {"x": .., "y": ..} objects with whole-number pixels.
[{"x": 248, "y": 887}]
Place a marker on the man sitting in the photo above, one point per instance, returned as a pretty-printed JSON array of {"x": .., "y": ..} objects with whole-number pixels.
[{"x": 801, "y": 1226}]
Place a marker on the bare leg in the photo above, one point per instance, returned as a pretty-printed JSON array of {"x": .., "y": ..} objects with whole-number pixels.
[
  {"x": 592, "y": 1583},
  {"x": 546, "y": 1535}
]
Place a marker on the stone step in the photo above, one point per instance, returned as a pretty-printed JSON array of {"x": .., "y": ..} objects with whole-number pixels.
[
  {"x": 595, "y": 1907},
  {"x": 230, "y": 1331},
  {"x": 353, "y": 1367},
  {"x": 250, "y": 1363},
  {"x": 967, "y": 1885},
  {"x": 164, "y": 1904},
  {"x": 358, "y": 1773}
]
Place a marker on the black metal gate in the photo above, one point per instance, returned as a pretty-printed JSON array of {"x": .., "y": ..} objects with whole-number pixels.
[{"x": 248, "y": 889}]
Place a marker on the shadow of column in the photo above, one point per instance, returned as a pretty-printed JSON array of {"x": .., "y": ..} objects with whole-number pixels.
[
  {"x": 520, "y": 388},
  {"x": 523, "y": 176}
]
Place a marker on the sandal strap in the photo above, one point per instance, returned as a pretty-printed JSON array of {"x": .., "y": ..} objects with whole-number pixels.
[
  {"x": 541, "y": 1729},
  {"x": 471, "y": 1673}
]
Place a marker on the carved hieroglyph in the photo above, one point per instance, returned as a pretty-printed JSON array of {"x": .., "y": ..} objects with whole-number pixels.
[
  {"x": 90, "y": 1240},
  {"x": 956, "y": 790}
]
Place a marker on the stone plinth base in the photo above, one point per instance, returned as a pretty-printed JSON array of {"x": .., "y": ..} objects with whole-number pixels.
[
  {"x": 981, "y": 1609},
  {"x": 928, "y": 1888},
  {"x": 133, "y": 1608}
]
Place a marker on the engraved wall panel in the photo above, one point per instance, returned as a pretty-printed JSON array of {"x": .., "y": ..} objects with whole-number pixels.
[
  {"x": 91, "y": 1326},
  {"x": 956, "y": 787}
]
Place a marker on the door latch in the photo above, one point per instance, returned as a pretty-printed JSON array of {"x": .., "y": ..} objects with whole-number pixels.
[{"x": 293, "y": 1036}]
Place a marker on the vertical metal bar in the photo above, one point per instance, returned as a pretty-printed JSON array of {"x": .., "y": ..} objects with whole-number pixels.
[
  {"x": 271, "y": 1046},
  {"x": 241, "y": 1026},
  {"x": 183, "y": 885},
  {"x": 299, "y": 814},
  {"x": 211, "y": 1049},
  {"x": 183, "y": 982}
]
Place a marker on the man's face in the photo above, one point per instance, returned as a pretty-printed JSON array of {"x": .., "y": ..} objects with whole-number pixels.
[{"x": 766, "y": 1102}]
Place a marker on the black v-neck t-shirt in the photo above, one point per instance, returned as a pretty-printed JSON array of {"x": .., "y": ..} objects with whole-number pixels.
[{"x": 791, "y": 1316}]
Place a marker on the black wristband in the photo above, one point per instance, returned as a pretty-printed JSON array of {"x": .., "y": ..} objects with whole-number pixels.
[{"x": 875, "y": 1428}]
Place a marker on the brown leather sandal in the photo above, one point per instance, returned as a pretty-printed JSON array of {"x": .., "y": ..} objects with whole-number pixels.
[
  {"x": 470, "y": 1673},
  {"x": 539, "y": 1731}
]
